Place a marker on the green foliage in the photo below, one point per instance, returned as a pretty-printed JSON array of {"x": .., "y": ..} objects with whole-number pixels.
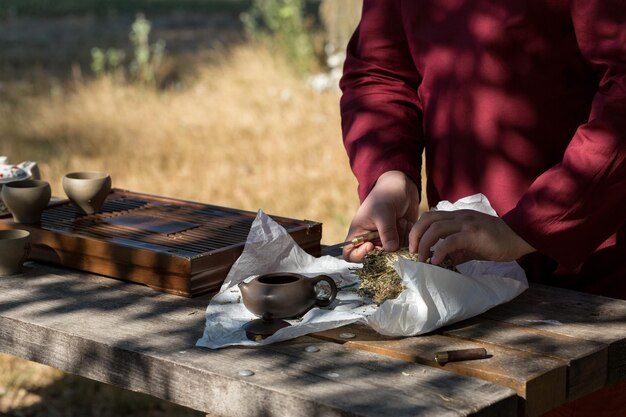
[
  {"x": 284, "y": 25},
  {"x": 144, "y": 62},
  {"x": 109, "y": 61},
  {"x": 147, "y": 58}
]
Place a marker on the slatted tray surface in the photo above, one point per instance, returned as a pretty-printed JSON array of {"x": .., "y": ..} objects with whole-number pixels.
[
  {"x": 160, "y": 226},
  {"x": 175, "y": 246}
]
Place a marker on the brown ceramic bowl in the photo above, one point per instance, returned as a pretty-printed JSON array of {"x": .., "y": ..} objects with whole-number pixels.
[
  {"x": 26, "y": 199},
  {"x": 87, "y": 189},
  {"x": 14, "y": 250}
]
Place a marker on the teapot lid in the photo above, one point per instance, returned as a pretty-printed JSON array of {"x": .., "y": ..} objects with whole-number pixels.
[
  {"x": 10, "y": 173},
  {"x": 259, "y": 329}
]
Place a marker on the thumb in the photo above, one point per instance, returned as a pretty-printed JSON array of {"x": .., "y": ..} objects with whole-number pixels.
[
  {"x": 388, "y": 232},
  {"x": 384, "y": 217}
]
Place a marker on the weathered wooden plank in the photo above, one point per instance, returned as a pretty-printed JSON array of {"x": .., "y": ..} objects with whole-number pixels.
[
  {"x": 539, "y": 380},
  {"x": 146, "y": 343},
  {"x": 573, "y": 314},
  {"x": 586, "y": 359}
]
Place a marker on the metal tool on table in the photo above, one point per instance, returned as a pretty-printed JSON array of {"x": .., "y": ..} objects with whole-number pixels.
[
  {"x": 460, "y": 355},
  {"x": 356, "y": 241}
]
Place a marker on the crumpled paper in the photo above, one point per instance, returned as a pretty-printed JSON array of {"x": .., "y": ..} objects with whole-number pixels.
[{"x": 433, "y": 296}]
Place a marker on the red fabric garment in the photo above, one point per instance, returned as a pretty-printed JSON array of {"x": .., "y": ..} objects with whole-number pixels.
[{"x": 523, "y": 101}]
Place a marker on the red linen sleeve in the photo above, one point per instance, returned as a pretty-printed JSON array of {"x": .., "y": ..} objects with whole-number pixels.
[
  {"x": 576, "y": 205},
  {"x": 381, "y": 118}
]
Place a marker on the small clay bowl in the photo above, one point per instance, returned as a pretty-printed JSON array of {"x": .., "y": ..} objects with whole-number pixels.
[
  {"x": 26, "y": 199},
  {"x": 14, "y": 250},
  {"x": 87, "y": 189}
]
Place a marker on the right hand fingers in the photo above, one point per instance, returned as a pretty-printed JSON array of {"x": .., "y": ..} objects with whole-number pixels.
[
  {"x": 390, "y": 231},
  {"x": 389, "y": 237},
  {"x": 384, "y": 218},
  {"x": 357, "y": 253}
]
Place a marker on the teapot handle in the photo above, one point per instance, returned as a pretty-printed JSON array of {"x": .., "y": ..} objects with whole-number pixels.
[{"x": 322, "y": 302}]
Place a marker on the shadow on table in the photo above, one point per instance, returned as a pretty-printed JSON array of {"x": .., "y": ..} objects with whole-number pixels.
[{"x": 130, "y": 336}]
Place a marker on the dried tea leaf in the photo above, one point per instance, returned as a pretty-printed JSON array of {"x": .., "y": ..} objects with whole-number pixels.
[{"x": 378, "y": 278}]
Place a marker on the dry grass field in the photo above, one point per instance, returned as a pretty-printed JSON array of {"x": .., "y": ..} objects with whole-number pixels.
[
  {"x": 28, "y": 389},
  {"x": 244, "y": 133},
  {"x": 239, "y": 129}
]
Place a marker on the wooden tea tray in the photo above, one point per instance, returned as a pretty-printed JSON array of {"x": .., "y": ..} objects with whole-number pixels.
[{"x": 175, "y": 246}]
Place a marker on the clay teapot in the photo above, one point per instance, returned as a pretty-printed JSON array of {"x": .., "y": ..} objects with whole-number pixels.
[
  {"x": 16, "y": 172},
  {"x": 283, "y": 295}
]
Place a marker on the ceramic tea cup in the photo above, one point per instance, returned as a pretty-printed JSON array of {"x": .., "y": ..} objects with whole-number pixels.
[
  {"x": 26, "y": 199},
  {"x": 283, "y": 295},
  {"x": 14, "y": 249},
  {"x": 87, "y": 189}
]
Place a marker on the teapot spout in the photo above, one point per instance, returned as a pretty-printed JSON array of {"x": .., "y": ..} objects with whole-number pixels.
[{"x": 31, "y": 168}]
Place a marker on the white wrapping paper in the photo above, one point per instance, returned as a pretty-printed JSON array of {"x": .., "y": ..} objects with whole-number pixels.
[{"x": 433, "y": 296}]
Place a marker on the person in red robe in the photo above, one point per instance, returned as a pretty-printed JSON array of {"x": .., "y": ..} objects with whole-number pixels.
[{"x": 523, "y": 101}]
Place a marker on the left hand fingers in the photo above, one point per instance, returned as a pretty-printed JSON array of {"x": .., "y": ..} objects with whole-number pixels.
[
  {"x": 466, "y": 235},
  {"x": 456, "y": 246},
  {"x": 432, "y": 236},
  {"x": 422, "y": 226}
]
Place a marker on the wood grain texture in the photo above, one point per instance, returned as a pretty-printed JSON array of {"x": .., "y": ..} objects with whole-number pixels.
[
  {"x": 586, "y": 359},
  {"x": 144, "y": 341},
  {"x": 573, "y": 314},
  {"x": 540, "y": 381},
  {"x": 175, "y": 246}
]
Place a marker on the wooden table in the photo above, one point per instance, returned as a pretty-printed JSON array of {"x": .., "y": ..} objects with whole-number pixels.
[{"x": 547, "y": 346}]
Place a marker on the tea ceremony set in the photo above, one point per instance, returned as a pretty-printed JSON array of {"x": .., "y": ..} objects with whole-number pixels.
[
  {"x": 238, "y": 313},
  {"x": 26, "y": 196}
]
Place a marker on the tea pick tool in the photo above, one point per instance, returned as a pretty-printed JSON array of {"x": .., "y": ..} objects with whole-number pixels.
[
  {"x": 356, "y": 241},
  {"x": 460, "y": 355}
]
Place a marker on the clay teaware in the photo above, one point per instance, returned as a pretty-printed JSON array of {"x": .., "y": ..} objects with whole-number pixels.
[
  {"x": 26, "y": 199},
  {"x": 87, "y": 189},
  {"x": 14, "y": 249},
  {"x": 281, "y": 295}
]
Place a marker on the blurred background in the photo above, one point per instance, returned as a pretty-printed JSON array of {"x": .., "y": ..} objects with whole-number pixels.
[{"x": 226, "y": 102}]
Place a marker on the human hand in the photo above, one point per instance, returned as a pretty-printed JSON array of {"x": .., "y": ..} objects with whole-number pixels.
[
  {"x": 391, "y": 208},
  {"x": 464, "y": 235}
]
